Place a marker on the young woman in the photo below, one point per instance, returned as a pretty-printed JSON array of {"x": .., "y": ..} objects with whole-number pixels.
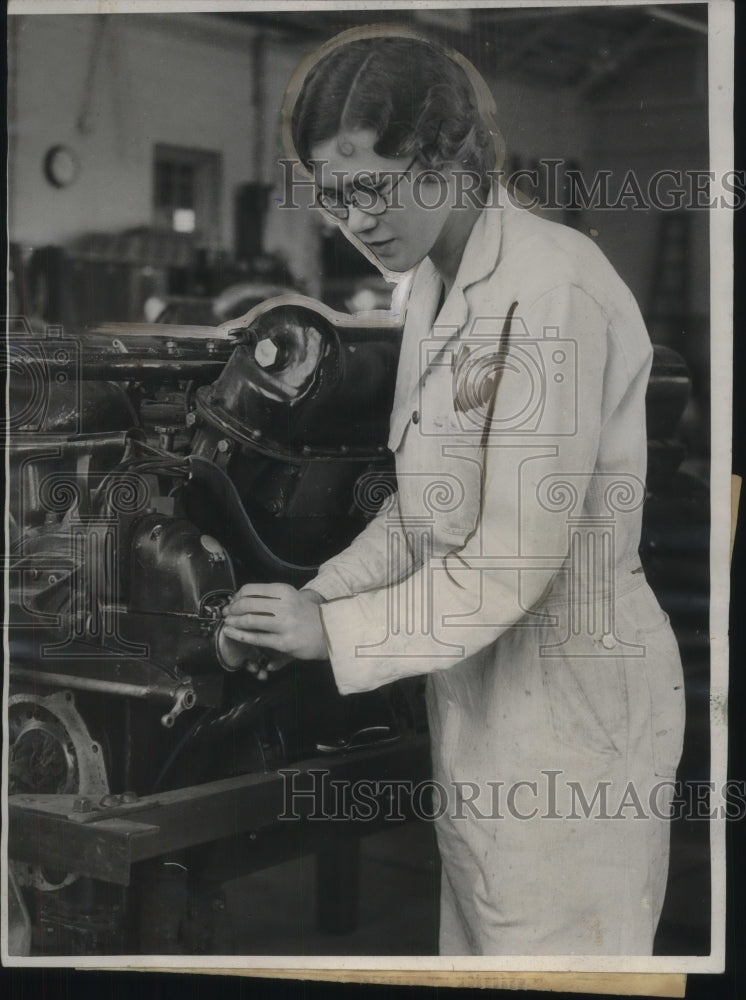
[{"x": 506, "y": 568}]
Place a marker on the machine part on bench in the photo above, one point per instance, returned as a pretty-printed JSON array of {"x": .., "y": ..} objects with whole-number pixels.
[{"x": 51, "y": 751}]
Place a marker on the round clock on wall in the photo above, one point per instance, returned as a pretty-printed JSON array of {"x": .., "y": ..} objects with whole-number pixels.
[{"x": 61, "y": 166}]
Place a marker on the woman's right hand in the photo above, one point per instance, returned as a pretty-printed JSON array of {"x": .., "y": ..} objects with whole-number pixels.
[
  {"x": 235, "y": 655},
  {"x": 239, "y": 650}
]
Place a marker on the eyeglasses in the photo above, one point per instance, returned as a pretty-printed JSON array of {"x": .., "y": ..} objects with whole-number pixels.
[{"x": 373, "y": 199}]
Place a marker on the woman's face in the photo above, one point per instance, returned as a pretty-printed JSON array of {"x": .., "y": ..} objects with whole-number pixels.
[{"x": 418, "y": 221}]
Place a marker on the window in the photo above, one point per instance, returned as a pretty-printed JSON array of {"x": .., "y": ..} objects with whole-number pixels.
[{"x": 186, "y": 191}]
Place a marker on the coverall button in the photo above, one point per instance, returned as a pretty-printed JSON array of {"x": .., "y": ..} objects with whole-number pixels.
[{"x": 415, "y": 417}]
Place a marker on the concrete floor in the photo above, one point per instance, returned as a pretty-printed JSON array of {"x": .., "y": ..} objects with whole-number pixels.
[{"x": 273, "y": 911}]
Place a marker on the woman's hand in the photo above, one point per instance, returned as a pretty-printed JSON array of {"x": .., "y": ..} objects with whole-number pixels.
[{"x": 276, "y": 617}]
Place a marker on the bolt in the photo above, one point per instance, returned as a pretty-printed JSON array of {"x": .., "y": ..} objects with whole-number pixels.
[
  {"x": 265, "y": 353},
  {"x": 82, "y": 805},
  {"x": 170, "y": 346},
  {"x": 108, "y": 801},
  {"x": 191, "y": 419},
  {"x": 256, "y": 434},
  {"x": 224, "y": 445},
  {"x": 211, "y": 347}
]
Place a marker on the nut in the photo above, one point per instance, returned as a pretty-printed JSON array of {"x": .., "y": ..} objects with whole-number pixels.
[{"x": 265, "y": 353}]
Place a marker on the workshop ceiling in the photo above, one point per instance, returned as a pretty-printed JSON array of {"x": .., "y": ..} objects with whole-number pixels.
[{"x": 581, "y": 47}]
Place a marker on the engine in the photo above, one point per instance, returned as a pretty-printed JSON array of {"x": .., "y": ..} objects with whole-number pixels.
[{"x": 153, "y": 470}]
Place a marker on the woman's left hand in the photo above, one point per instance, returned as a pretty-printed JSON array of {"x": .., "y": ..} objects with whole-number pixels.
[{"x": 277, "y": 616}]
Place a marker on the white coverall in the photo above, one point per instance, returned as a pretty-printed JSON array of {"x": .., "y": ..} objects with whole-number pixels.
[{"x": 506, "y": 569}]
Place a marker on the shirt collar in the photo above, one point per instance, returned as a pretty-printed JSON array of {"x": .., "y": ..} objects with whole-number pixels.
[{"x": 480, "y": 258}]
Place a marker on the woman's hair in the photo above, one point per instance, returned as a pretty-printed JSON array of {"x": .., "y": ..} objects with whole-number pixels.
[{"x": 416, "y": 99}]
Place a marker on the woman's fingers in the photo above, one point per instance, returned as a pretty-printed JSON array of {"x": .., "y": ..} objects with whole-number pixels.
[
  {"x": 255, "y": 622},
  {"x": 253, "y": 604},
  {"x": 277, "y": 662},
  {"x": 268, "y": 591},
  {"x": 261, "y": 607},
  {"x": 257, "y": 613},
  {"x": 260, "y": 672},
  {"x": 264, "y": 666},
  {"x": 278, "y": 617},
  {"x": 254, "y": 638}
]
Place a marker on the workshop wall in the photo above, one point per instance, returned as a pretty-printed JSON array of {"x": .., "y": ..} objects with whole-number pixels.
[
  {"x": 648, "y": 123},
  {"x": 110, "y": 89},
  {"x": 540, "y": 123}
]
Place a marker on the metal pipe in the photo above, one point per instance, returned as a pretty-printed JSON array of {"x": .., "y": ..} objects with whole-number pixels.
[
  {"x": 98, "y": 684},
  {"x": 679, "y": 19},
  {"x": 127, "y": 366},
  {"x": 72, "y": 447}
]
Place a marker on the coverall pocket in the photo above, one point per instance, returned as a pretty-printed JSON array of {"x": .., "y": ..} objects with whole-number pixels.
[
  {"x": 586, "y": 700},
  {"x": 665, "y": 680}
]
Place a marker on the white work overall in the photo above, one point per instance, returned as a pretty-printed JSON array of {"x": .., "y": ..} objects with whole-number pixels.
[{"x": 506, "y": 569}]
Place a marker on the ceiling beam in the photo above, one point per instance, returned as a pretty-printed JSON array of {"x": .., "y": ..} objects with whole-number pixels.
[
  {"x": 682, "y": 20},
  {"x": 602, "y": 70}
]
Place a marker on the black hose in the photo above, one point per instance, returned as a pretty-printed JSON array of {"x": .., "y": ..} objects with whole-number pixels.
[{"x": 239, "y": 531}]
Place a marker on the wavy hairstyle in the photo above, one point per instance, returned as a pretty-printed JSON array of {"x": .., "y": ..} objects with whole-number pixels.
[{"x": 417, "y": 100}]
